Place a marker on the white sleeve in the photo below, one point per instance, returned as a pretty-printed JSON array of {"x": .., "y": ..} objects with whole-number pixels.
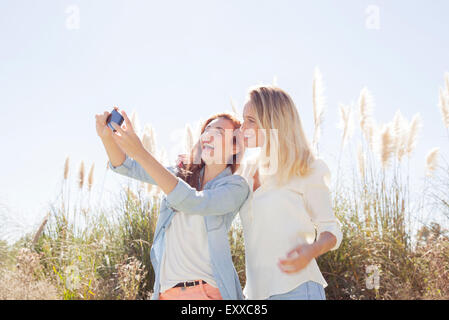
[{"x": 318, "y": 202}]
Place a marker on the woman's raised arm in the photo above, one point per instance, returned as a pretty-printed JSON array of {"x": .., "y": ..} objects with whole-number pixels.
[
  {"x": 129, "y": 142},
  {"x": 115, "y": 154}
]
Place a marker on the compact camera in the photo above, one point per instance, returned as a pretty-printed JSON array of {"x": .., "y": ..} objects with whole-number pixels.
[{"x": 116, "y": 117}]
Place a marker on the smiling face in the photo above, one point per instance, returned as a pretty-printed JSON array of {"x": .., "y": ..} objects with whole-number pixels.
[
  {"x": 272, "y": 122},
  {"x": 250, "y": 127},
  {"x": 218, "y": 142}
]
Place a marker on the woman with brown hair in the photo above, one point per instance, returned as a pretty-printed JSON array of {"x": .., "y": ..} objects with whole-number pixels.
[{"x": 190, "y": 254}]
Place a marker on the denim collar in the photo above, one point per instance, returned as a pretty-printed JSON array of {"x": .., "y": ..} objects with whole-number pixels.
[{"x": 226, "y": 172}]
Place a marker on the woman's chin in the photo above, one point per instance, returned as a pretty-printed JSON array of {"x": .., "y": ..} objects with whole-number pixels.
[
  {"x": 250, "y": 142},
  {"x": 211, "y": 160},
  {"x": 207, "y": 160}
]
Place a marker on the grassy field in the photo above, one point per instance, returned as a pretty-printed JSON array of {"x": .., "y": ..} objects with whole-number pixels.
[{"x": 392, "y": 248}]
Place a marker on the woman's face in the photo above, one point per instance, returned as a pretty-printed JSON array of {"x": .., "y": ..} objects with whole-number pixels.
[
  {"x": 252, "y": 136},
  {"x": 217, "y": 143}
]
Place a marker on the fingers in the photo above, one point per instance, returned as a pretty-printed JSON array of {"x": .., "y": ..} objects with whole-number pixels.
[
  {"x": 286, "y": 262},
  {"x": 292, "y": 253},
  {"x": 117, "y": 139},
  {"x": 289, "y": 271},
  {"x": 288, "y": 266},
  {"x": 98, "y": 118},
  {"x": 182, "y": 160},
  {"x": 101, "y": 118},
  {"x": 127, "y": 121},
  {"x": 286, "y": 269},
  {"x": 117, "y": 127}
]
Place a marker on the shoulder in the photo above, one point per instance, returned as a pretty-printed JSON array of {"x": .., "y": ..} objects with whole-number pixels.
[
  {"x": 318, "y": 174},
  {"x": 235, "y": 184},
  {"x": 233, "y": 179},
  {"x": 319, "y": 167}
]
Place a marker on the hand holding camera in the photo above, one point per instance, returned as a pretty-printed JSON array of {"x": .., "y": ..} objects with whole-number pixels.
[
  {"x": 109, "y": 126},
  {"x": 103, "y": 122}
]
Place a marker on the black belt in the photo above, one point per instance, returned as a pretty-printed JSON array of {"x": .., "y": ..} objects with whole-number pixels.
[{"x": 189, "y": 283}]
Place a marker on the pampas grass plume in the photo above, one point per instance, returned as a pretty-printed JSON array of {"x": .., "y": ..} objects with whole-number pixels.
[{"x": 432, "y": 161}]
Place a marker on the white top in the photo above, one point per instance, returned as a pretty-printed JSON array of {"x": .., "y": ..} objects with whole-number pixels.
[
  {"x": 186, "y": 255},
  {"x": 276, "y": 219}
]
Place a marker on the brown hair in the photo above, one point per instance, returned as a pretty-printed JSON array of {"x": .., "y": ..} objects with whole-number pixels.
[{"x": 190, "y": 172}]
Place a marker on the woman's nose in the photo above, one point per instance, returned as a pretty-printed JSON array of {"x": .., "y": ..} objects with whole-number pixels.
[
  {"x": 207, "y": 135},
  {"x": 239, "y": 136}
]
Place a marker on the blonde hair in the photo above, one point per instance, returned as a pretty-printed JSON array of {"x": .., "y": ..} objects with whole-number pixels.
[{"x": 291, "y": 150}]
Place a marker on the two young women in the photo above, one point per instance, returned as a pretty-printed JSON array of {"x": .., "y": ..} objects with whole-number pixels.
[{"x": 282, "y": 199}]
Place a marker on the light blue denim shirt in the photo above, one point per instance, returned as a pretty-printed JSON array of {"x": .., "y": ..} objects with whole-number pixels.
[{"x": 219, "y": 202}]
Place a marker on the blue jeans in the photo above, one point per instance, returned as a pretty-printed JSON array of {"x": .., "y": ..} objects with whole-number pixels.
[{"x": 309, "y": 290}]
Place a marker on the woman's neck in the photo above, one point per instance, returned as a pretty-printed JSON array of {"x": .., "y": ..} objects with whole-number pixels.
[{"x": 211, "y": 171}]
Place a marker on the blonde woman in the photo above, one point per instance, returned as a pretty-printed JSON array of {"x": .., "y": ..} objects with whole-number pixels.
[{"x": 289, "y": 201}]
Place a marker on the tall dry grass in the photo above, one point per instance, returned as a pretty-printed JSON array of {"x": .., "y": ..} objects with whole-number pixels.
[
  {"x": 380, "y": 217},
  {"x": 88, "y": 250},
  {"x": 319, "y": 105},
  {"x": 26, "y": 280}
]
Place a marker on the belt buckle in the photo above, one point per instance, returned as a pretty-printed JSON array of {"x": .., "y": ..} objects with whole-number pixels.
[{"x": 186, "y": 282}]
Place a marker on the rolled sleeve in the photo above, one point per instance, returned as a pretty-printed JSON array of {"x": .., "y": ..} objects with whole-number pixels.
[
  {"x": 179, "y": 193},
  {"x": 319, "y": 203},
  {"x": 124, "y": 167},
  {"x": 226, "y": 197}
]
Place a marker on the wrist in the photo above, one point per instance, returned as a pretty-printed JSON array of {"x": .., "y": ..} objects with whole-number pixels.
[
  {"x": 106, "y": 139},
  {"x": 315, "y": 250}
]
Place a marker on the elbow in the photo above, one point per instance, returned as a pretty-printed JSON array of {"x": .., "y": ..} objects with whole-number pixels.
[
  {"x": 120, "y": 166},
  {"x": 337, "y": 237},
  {"x": 333, "y": 236},
  {"x": 119, "y": 163},
  {"x": 332, "y": 241}
]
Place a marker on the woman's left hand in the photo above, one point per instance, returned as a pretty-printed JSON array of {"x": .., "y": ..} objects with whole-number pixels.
[
  {"x": 128, "y": 140},
  {"x": 297, "y": 259}
]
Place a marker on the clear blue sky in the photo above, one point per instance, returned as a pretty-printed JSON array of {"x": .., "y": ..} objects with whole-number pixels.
[{"x": 179, "y": 61}]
